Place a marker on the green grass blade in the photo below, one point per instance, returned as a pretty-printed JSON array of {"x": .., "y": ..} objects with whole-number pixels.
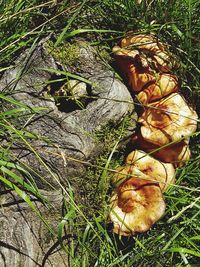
[
  {"x": 80, "y": 31},
  {"x": 64, "y": 221},
  {"x": 184, "y": 251},
  {"x": 18, "y": 179},
  {"x": 68, "y": 74},
  {"x": 12, "y": 101},
  {"x": 62, "y": 35},
  {"x": 103, "y": 176},
  {"x": 27, "y": 199},
  {"x": 16, "y": 111}
]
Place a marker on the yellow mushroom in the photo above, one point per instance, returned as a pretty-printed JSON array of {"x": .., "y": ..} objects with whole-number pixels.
[
  {"x": 168, "y": 120},
  {"x": 136, "y": 204},
  {"x": 163, "y": 86},
  {"x": 176, "y": 153},
  {"x": 154, "y": 49},
  {"x": 159, "y": 171}
]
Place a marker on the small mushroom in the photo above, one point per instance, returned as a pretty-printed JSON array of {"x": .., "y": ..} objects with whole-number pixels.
[
  {"x": 176, "y": 153},
  {"x": 163, "y": 86},
  {"x": 136, "y": 205},
  {"x": 168, "y": 120},
  {"x": 164, "y": 173}
]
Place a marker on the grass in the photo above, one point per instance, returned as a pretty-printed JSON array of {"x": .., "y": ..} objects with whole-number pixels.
[{"x": 174, "y": 240}]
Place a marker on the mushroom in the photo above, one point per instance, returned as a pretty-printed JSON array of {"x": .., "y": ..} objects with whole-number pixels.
[
  {"x": 140, "y": 57},
  {"x": 168, "y": 120},
  {"x": 77, "y": 89},
  {"x": 163, "y": 86},
  {"x": 125, "y": 53},
  {"x": 136, "y": 204},
  {"x": 139, "y": 77},
  {"x": 134, "y": 68},
  {"x": 164, "y": 173},
  {"x": 166, "y": 123},
  {"x": 156, "y": 51},
  {"x": 142, "y": 41},
  {"x": 125, "y": 172},
  {"x": 176, "y": 153}
]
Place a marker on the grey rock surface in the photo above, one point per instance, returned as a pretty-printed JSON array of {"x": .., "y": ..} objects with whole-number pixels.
[
  {"x": 25, "y": 241},
  {"x": 69, "y": 134},
  {"x": 63, "y": 139}
]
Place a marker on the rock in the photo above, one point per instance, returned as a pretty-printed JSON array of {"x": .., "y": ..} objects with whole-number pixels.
[
  {"x": 58, "y": 141},
  {"x": 61, "y": 135},
  {"x": 25, "y": 241}
]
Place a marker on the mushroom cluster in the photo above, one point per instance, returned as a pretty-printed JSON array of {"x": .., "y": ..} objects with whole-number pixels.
[{"x": 162, "y": 142}]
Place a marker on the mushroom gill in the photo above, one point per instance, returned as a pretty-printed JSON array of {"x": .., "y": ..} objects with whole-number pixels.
[
  {"x": 134, "y": 68},
  {"x": 141, "y": 58}
]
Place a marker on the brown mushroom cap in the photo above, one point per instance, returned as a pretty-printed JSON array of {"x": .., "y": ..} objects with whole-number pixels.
[
  {"x": 177, "y": 153},
  {"x": 138, "y": 39},
  {"x": 126, "y": 172},
  {"x": 143, "y": 41},
  {"x": 168, "y": 120},
  {"x": 154, "y": 49},
  {"x": 135, "y": 206},
  {"x": 140, "y": 57},
  {"x": 163, "y": 86},
  {"x": 125, "y": 53},
  {"x": 164, "y": 173},
  {"x": 134, "y": 68}
]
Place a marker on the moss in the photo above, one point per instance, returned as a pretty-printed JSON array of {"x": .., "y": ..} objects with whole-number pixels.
[
  {"x": 104, "y": 55},
  {"x": 93, "y": 190},
  {"x": 66, "y": 53}
]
